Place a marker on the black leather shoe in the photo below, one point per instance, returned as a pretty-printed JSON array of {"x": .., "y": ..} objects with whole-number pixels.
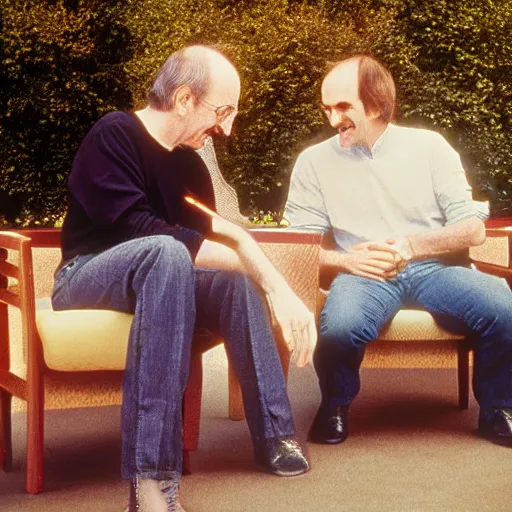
[
  {"x": 496, "y": 425},
  {"x": 330, "y": 425},
  {"x": 282, "y": 456}
]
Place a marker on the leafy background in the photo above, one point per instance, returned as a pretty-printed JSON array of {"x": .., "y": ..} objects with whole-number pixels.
[{"x": 64, "y": 64}]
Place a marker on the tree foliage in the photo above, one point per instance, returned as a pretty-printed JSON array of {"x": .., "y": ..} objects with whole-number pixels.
[
  {"x": 66, "y": 63},
  {"x": 463, "y": 56},
  {"x": 61, "y": 70}
]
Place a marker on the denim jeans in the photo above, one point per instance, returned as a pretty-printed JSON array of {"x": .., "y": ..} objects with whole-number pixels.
[
  {"x": 461, "y": 299},
  {"x": 155, "y": 279}
]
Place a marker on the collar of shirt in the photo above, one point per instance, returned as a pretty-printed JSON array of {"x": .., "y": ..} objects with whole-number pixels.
[{"x": 362, "y": 151}]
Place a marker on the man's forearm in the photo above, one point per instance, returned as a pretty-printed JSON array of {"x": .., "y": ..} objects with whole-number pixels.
[
  {"x": 443, "y": 241},
  {"x": 333, "y": 259},
  {"x": 241, "y": 252},
  {"x": 449, "y": 239}
]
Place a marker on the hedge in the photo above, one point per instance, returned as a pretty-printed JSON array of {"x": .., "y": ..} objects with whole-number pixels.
[
  {"x": 62, "y": 69},
  {"x": 68, "y": 63}
]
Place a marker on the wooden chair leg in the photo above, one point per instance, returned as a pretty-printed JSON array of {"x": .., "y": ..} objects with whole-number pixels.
[
  {"x": 236, "y": 404},
  {"x": 5, "y": 396},
  {"x": 5, "y": 430},
  {"x": 35, "y": 420},
  {"x": 463, "y": 376},
  {"x": 35, "y": 446},
  {"x": 187, "y": 467},
  {"x": 284, "y": 356},
  {"x": 192, "y": 409}
]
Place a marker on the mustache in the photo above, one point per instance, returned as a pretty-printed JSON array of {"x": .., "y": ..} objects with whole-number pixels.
[
  {"x": 214, "y": 130},
  {"x": 344, "y": 125}
]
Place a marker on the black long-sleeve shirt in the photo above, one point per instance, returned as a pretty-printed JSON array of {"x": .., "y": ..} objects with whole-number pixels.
[{"x": 124, "y": 185}]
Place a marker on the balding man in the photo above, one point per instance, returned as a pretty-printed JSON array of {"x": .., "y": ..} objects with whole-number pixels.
[
  {"x": 129, "y": 243},
  {"x": 403, "y": 219}
]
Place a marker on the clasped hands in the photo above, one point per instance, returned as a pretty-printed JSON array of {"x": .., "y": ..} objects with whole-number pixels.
[{"x": 379, "y": 260}]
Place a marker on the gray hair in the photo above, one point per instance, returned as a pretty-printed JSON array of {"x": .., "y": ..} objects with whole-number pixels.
[{"x": 188, "y": 66}]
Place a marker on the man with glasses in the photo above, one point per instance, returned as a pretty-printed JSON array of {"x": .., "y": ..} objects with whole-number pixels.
[
  {"x": 403, "y": 218},
  {"x": 131, "y": 242}
]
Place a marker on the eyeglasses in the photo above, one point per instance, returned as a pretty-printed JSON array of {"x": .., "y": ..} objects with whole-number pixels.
[{"x": 222, "y": 112}]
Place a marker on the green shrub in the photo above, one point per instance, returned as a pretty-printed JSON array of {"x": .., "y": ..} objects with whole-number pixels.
[
  {"x": 66, "y": 63},
  {"x": 62, "y": 70},
  {"x": 452, "y": 61},
  {"x": 464, "y": 55}
]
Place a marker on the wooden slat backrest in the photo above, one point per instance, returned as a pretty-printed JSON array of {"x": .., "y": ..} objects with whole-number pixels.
[
  {"x": 20, "y": 294},
  {"x": 20, "y": 270}
]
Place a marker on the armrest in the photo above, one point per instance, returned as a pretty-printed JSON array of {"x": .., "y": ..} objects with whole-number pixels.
[
  {"x": 494, "y": 255},
  {"x": 285, "y": 236},
  {"x": 495, "y": 250},
  {"x": 296, "y": 255},
  {"x": 12, "y": 240},
  {"x": 43, "y": 237}
]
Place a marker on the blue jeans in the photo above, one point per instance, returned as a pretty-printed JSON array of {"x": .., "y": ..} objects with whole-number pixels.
[
  {"x": 461, "y": 299},
  {"x": 155, "y": 279}
]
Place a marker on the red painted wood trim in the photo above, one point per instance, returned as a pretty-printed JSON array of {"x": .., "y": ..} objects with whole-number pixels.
[
  {"x": 285, "y": 236},
  {"x": 496, "y": 232},
  {"x": 43, "y": 237},
  {"x": 50, "y": 237},
  {"x": 495, "y": 270},
  {"x": 499, "y": 222}
]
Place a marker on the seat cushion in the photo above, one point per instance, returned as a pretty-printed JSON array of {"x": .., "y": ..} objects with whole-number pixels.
[
  {"x": 415, "y": 325},
  {"x": 84, "y": 339},
  {"x": 406, "y": 325}
]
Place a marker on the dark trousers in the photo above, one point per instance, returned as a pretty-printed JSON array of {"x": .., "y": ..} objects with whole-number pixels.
[{"x": 155, "y": 279}]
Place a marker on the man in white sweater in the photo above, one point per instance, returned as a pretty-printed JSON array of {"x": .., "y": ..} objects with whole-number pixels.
[{"x": 403, "y": 218}]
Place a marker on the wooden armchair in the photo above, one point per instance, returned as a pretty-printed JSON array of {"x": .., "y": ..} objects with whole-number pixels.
[
  {"x": 414, "y": 340},
  {"x": 48, "y": 374}
]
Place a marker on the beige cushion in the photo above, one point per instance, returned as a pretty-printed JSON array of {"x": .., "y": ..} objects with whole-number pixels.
[
  {"x": 84, "y": 339},
  {"x": 415, "y": 325},
  {"x": 407, "y": 325}
]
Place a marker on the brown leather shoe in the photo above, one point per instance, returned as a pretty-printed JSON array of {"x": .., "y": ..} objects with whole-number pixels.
[
  {"x": 148, "y": 495},
  {"x": 330, "y": 425}
]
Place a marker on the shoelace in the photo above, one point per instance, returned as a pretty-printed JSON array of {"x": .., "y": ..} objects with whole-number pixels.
[
  {"x": 291, "y": 445},
  {"x": 170, "y": 488}
]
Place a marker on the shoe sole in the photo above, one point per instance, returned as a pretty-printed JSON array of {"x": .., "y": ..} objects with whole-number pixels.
[
  {"x": 496, "y": 439},
  {"x": 292, "y": 473},
  {"x": 326, "y": 441},
  {"x": 283, "y": 473}
]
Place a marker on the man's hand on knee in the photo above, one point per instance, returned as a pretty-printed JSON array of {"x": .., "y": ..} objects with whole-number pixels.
[{"x": 296, "y": 322}]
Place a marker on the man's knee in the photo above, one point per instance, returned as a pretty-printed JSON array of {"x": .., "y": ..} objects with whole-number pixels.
[
  {"x": 163, "y": 260},
  {"x": 166, "y": 250},
  {"x": 346, "y": 331},
  {"x": 491, "y": 309},
  {"x": 498, "y": 320},
  {"x": 234, "y": 283}
]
